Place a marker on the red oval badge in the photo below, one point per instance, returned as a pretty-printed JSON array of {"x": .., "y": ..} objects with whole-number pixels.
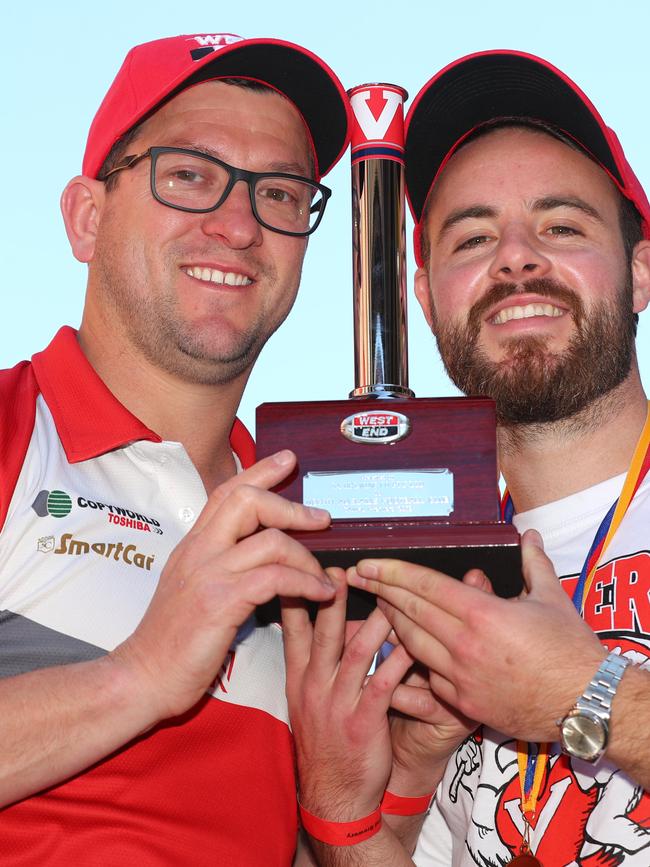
[{"x": 375, "y": 426}]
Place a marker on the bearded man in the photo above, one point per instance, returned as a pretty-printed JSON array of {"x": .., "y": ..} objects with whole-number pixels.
[{"x": 532, "y": 237}]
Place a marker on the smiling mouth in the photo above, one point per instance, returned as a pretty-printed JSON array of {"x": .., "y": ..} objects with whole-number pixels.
[
  {"x": 526, "y": 311},
  {"x": 213, "y": 275}
]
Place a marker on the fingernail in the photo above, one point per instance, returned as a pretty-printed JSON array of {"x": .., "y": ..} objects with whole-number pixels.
[
  {"x": 368, "y": 569},
  {"x": 327, "y": 581},
  {"x": 354, "y": 579},
  {"x": 283, "y": 458},
  {"x": 534, "y": 537},
  {"x": 315, "y": 512}
]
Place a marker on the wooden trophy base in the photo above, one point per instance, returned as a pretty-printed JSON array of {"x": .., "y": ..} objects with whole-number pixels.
[{"x": 451, "y": 441}]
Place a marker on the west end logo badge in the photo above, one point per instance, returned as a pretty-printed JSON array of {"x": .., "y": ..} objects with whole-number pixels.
[{"x": 375, "y": 427}]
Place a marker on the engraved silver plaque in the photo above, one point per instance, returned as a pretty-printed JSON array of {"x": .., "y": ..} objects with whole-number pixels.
[
  {"x": 375, "y": 426},
  {"x": 358, "y": 494}
]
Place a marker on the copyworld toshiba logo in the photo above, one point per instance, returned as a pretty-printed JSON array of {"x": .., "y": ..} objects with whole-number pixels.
[{"x": 58, "y": 504}]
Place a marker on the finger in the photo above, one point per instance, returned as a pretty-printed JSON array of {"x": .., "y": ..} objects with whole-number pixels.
[
  {"x": 243, "y": 503},
  {"x": 418, "y": 676},
  {"x": 381, "y": 684},
  {"x": 260, "y": 585},
  {"x": 248, "y": 508},
  {"x": 352, "y": 627},
  {"x": 329, "y": 631},
  {"x": 296, "y": 638},
  {"x": 538, "y": 571},
  {"x": 359, "y": 654},
  {"x": 267, "y": 473},
  {"x": 435, "y": 619},
  {"x": 435, "y": 587},
  {"x": 444, "y": 689},
  {"x": 415, "y": 701},
  {"x": 269, "y": 546},
  {"x": 420, "y": 643},
  {"x": 478, "y": 579}
]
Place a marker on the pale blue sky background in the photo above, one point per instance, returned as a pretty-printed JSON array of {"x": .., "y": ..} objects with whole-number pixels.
[{"x": 58, "y": 60}]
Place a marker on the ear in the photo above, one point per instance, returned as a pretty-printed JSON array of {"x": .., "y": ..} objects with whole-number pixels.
[
  {"x": 81, "y": 205},
  {"x": 423, "y": 294},
  {"x": 641, "y": 276}
]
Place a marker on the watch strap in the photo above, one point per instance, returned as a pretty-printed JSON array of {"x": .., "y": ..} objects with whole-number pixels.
[{"x": 599, "y": 694}]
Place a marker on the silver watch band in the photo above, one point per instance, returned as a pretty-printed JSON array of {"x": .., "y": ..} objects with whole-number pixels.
[{"x": 598, "y": 696}]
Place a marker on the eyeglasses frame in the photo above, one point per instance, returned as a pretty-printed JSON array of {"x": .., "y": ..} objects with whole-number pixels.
[{"x": 234, "y": 175}]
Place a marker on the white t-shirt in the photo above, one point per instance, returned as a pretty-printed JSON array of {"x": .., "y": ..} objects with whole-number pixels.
[{"x": 587, "y": 814}]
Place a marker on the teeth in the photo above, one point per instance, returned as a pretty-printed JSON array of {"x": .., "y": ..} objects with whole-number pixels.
[
  {"x": 525, "y": 312},
  {"x": 213, "y": 275}
]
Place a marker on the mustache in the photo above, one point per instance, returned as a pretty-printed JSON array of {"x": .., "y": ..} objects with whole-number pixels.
[{"x": 543, "y": 286}]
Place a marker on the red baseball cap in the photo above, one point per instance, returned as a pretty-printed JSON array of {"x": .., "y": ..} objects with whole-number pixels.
[
  {"x": 156, "y": 71},
  {"x": 504, "y": 84}
]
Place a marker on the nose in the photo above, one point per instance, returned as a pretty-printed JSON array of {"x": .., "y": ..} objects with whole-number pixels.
[
  {"x": 234, "y": 222},
  {"x": 518, "y": 255}
]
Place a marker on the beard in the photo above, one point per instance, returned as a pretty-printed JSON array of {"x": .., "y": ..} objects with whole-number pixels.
[{"x": 532, "y": 385}]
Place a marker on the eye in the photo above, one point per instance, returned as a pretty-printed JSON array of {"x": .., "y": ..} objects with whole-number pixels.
[
  {"x": 282, "y": 192},
  {"x": 189, "y": 176},
  {"x": 473, "y": 242},
  {"x": 276, "y": 194},
  {"x": 563, "y": 231},
  {"x": 178, "y": 177}
]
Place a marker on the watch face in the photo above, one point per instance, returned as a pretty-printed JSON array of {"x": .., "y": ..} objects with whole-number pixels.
[{"x": 584, "y": 734}]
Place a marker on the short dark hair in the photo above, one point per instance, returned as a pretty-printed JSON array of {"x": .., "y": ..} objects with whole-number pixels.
[
  {"x": 116, "y": 155},
  {"x": 630, "y": 220},
  {"x": 121, "y": 146}
]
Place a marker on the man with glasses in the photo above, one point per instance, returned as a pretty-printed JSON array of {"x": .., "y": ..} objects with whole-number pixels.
[
  {"x": 142, "y": 713},
  {"x": 199, "y": 183}
]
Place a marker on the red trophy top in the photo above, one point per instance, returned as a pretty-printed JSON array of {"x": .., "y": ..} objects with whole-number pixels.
[{"x": 378, "y": 122}]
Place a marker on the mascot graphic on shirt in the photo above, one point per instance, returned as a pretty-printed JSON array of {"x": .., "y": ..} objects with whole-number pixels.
[{"x": 587, "y": 815}]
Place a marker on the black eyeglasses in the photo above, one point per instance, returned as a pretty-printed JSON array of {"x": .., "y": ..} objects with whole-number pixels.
[{"x": 192, "y": 181}]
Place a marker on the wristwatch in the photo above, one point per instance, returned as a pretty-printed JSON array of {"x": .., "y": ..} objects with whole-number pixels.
[{"x": 584, "y": 731}]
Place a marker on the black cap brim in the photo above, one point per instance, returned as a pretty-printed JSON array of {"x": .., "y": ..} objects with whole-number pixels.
[
  {"x": 484, "y": 87},
  {"x": 302, "y": 77}
]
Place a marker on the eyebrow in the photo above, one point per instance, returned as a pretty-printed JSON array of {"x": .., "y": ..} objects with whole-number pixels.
[
  {"x": 472, "y": 212},
  {"x": 292, "y": 168},
  {"x": 547, "y": 203}
]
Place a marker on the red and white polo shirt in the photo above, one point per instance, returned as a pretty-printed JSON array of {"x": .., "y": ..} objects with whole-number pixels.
[{"x": 92, "y": 502}]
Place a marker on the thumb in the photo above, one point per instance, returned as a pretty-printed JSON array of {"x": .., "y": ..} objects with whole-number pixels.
[{"x": 538, "y": 570}]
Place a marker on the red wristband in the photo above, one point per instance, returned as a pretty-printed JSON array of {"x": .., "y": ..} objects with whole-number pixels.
[
  {"x": 398, "y": 805},
  {"x": 340, "y": 833}
]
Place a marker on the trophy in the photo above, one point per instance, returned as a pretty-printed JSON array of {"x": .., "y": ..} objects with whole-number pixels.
[{"x": 408, "y": 478}]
